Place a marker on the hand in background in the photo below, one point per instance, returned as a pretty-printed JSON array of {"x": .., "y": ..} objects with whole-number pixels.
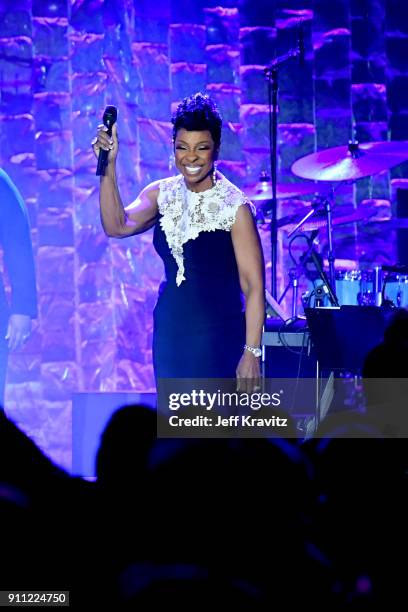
[{"x": 18, "y": 331}]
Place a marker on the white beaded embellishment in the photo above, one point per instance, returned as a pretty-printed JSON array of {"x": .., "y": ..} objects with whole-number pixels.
[{"x": 185, "y": 214}]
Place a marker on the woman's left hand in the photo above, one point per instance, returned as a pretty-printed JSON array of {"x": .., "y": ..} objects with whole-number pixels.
[{"x": 249, "y": 373}]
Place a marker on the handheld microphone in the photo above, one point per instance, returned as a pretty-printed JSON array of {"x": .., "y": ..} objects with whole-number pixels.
[{"x": 109, "y": 118}]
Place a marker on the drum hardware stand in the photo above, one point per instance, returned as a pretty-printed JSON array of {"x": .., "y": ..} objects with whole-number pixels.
[
  {"x": 319, "y": 267},
  {"x": 320, "y": 293},
  {"x": 377, "y": 289},
  {"x": 353, "y": 147},
  {"x": 330, "y": 254},
  {"x": 295, "y": 286},
  {"x": 271, "y": 75},
  {"x": 388, "y": 269},
  {"x": 296, "y": 272},
  {"x": 274, "y": 307},
  {"x": 330, "y": 284}
]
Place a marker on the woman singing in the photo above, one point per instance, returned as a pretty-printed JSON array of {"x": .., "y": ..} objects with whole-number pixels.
[{"x": 206, "y": 236}]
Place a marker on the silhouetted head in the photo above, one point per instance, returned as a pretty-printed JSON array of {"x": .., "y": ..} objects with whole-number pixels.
[{"x": 125, "y": 444}]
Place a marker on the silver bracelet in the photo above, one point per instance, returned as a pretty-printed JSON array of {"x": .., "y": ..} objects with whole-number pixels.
[{"x": 255, "y": 350}]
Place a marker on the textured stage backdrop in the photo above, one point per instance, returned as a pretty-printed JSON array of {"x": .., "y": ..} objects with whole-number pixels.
[{"x": 62, "y": 61}]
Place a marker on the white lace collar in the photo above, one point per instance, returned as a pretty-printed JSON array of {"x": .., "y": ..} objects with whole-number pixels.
[{"x": 185, "y": 213}]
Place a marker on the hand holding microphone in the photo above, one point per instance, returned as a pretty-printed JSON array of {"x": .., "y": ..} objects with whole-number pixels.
[{"x": 106, "y": 144}]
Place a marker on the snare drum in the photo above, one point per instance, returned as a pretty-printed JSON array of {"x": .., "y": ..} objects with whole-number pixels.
[{"x": 396, "y": 289}]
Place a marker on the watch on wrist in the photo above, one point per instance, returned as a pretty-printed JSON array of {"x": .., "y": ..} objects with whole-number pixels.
[{"x": 255, "y": 350}]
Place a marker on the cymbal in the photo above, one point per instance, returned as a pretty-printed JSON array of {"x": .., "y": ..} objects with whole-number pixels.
[
  {"x": 340, "y": 216},
  {"x": 351, "y": 162},
  {"x": 262, "y": 190}
]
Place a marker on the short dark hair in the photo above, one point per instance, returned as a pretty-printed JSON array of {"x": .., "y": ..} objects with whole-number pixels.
[{"x": 198, "y": 112}]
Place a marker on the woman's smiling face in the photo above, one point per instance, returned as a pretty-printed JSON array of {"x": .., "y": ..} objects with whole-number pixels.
[{"x": 195, "y": 154}]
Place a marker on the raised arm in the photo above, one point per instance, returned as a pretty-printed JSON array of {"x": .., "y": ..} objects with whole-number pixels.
[
  {"x": 118, "y": 221},
  {"x": 249, "y": 257}
]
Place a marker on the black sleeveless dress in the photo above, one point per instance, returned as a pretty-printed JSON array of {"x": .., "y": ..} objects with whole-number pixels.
[{"x": 199, "y": 326}]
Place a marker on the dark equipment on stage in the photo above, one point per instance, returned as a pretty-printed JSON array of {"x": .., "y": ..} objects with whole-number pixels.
[
  {"x": 346, "y": 164},
  {"x": 109, "y": 118},
  {"x": 334, "y": 168},
  {"x": 343, "y": 337},
  {"x": 336, "y": 165},
  {"x": 326, "y": 174},
  {"x": 396, "y": 268}
]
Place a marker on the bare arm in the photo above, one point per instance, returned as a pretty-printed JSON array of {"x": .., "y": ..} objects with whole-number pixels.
[
  {"x": 249, "y": 257},
  {"x": 118, "y": 221}
]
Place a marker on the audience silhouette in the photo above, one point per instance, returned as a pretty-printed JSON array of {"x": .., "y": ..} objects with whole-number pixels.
[{"x": 244, "y": 523}]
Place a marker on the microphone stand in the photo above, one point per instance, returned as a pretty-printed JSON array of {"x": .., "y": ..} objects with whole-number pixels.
[
  {"x": 330, "y": 255},
  {"x": 296, "y": 272},
  {"x": 319, "y": 267},
  {"x": 271, "y": 74}
]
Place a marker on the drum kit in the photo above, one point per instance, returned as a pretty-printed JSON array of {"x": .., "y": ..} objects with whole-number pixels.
[{"x": 324, "y": 174}]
